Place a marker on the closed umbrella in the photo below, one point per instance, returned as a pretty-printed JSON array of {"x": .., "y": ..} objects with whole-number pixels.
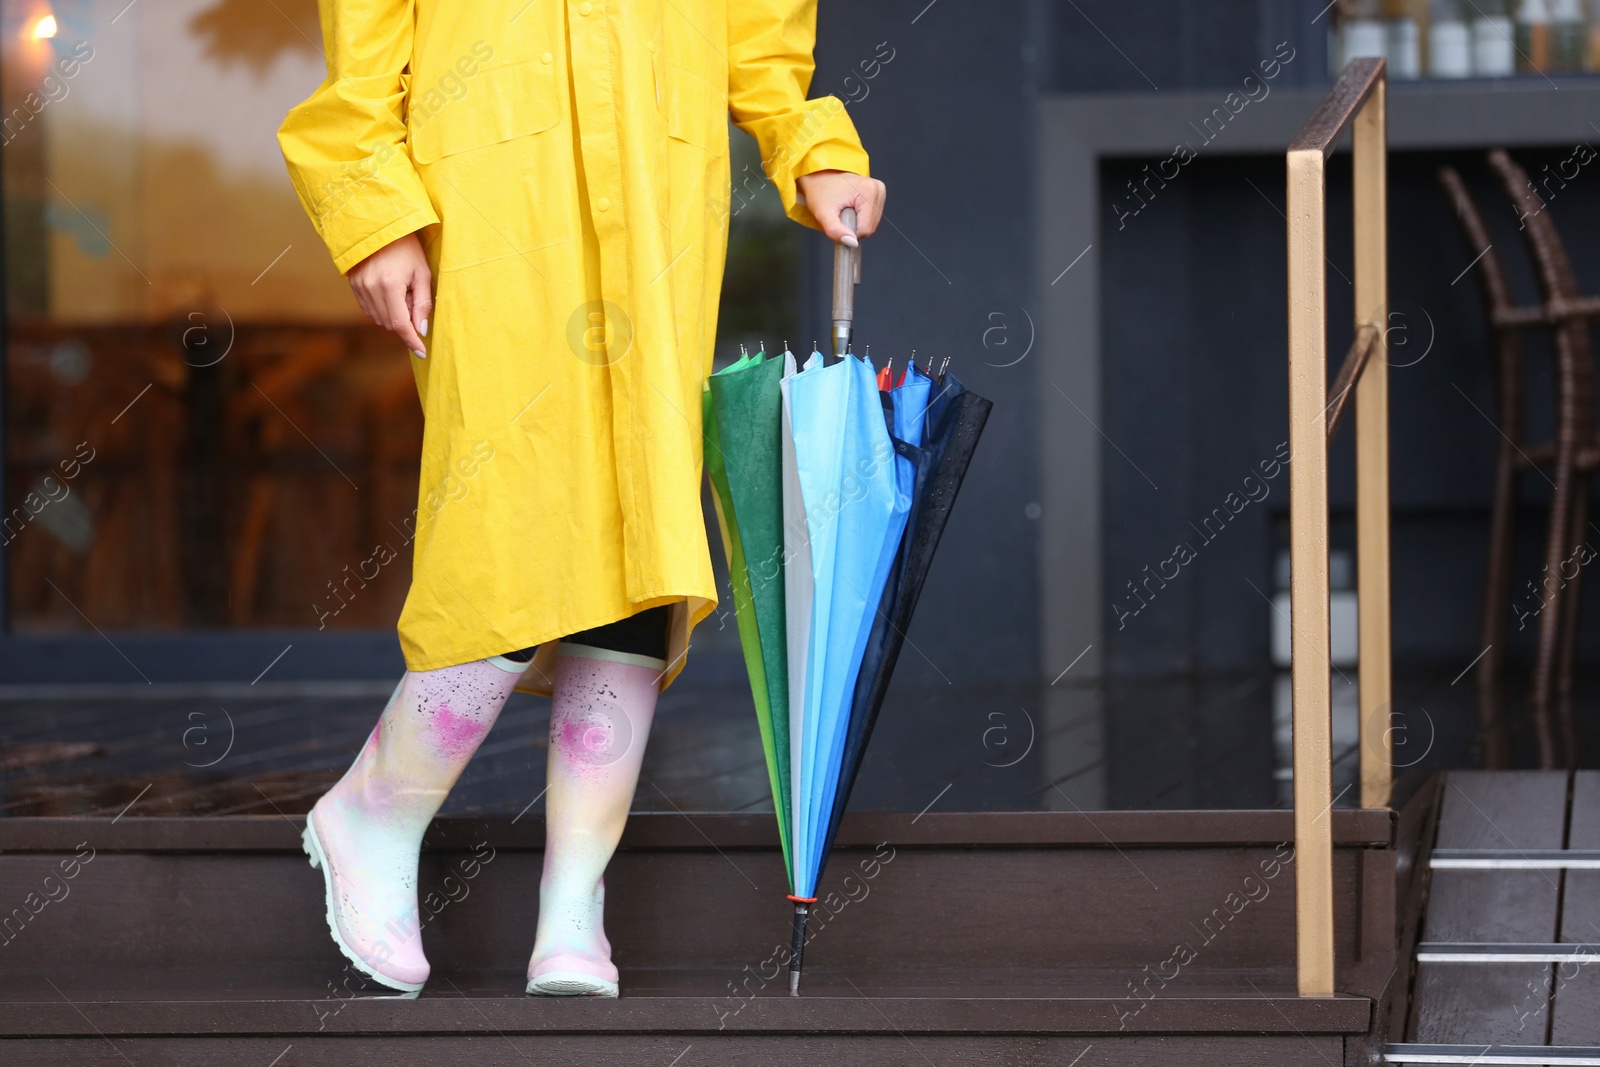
[{"x": 831, "y": 494}]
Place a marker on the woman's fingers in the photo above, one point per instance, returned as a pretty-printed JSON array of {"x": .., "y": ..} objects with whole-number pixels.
[
  {"x": 869, "y": 205},
  {"x": 866, "y": 196},
  {"x": 827, "y": 215},
  {"x": 360, "y": 293},
  {"x": 394, "y": 289},
  {"x": 828, "y": 192},
  {"x": 397, "y": 313},
  {"x": 421, "y": 296}
]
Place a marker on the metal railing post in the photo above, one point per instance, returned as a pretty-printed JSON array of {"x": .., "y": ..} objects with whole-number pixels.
[
  {"x": 1359, "y": 96},
  {"x": 1372, "y": 447},
  {"x": 1308, "y": 575}
]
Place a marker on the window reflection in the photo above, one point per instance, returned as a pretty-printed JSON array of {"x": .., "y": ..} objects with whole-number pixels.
[{"x": 201, "y": 430}]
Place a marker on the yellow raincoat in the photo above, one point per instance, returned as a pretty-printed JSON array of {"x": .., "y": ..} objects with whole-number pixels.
[{"x": 566, "y": 162}]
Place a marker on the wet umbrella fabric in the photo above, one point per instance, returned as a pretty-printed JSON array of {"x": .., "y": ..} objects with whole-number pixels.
[
  {"x": 954, "y": 422},
  {"x": 744, "y": 443},
  {"x": 909, "y": 405},
  {"x": 799, "y": 591},
  {"x": 855, "y": 515}
]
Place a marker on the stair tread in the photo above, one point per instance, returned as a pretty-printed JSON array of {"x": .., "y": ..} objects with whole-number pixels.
[
  {"x": 657, "y": 1002},
  {"x": 696, "y": 830}
]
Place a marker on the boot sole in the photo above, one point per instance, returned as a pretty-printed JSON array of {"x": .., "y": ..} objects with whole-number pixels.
[
  {"x": 570, "y": 984},
  {"x": 319, "y": 860}
]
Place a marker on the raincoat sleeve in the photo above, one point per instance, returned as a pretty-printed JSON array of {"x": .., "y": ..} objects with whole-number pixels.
[
  {"x": 346, "y": 144},
  {"x": 769, "y": 73}
]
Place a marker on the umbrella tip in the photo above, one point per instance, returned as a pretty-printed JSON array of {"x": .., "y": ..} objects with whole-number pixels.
[{"x": 797, "y": 946}]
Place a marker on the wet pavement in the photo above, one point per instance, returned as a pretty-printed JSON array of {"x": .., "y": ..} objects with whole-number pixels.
[{"x": 1206, "y": 743}]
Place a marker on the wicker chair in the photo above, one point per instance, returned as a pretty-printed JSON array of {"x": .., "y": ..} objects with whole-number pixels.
[{"x": 1569, "y": 460}]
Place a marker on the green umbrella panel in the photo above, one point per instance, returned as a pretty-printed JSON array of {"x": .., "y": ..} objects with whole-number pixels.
[{"x": 744, "y": 447}]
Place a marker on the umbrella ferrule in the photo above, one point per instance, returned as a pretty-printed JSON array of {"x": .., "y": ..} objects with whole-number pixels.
[
  {"x": 797, "y": 944},
  {"x": 841, "y": 338}
]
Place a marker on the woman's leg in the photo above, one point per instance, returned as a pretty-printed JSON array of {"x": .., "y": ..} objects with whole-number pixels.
[
  {"x": 366, "y": 832},
  {"x": 600, "y": 721}
]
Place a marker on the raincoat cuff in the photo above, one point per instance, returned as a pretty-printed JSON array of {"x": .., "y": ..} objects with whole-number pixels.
[
  {"x": 416, "y": 220},
  {"x": 835, "y": 155},
  {"x": 825, "y": 140}
]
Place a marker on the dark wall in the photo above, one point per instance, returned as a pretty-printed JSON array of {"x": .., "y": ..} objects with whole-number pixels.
[
  {"x": 1194, "y": 387},
  {"x": 949, "y": 126},
  {"x": 949, "y": 123},
  {"x": 1196, "y": 390}
]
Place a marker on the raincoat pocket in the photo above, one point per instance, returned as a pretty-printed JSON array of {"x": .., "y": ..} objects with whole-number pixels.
[
  {"x": 484, "y": 166},
  {"x": 496, "y": 104},
  {"x": 694, "y": 110}
]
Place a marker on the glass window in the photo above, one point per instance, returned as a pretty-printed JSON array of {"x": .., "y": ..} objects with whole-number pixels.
[{"x": 202, "y": 431}]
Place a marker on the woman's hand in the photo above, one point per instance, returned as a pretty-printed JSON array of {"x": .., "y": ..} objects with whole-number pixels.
[
  {"x": 828, "y": 192},
  {"x": 395, "y": 290}
]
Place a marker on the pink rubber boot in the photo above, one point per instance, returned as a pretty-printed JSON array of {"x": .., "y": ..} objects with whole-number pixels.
[
  {"x": 599, "y": 723},
  {"x": 366, "y": 832}
]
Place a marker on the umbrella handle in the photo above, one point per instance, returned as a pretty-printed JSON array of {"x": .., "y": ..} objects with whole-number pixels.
[{"x": 846, "y": 274}]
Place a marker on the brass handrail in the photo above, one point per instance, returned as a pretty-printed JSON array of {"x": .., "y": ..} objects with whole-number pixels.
[
  {"x": 1360, "y": 79},
  {"x": 1357, "y": 100},
  {"x": 1344, "y": 383}
]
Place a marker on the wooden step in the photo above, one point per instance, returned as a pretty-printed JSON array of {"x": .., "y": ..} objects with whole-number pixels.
[
  {"x": 991, "y": 1002},
  {"x": 996, "y": 938},
  {"x": 507, "y": 1049}
]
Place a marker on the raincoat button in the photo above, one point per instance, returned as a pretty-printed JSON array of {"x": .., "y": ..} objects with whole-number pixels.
[
  {"x": 584, "y": 9},
  {"x": 547, "y": 57},
  {"x": 602, "y": 203},
  {"x": 650, "y": 45}
]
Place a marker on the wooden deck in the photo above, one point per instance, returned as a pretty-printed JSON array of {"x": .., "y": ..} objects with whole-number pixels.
[
  {"x": 1505, "y": 967},
  {"x": 1162, "y": 745}
]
